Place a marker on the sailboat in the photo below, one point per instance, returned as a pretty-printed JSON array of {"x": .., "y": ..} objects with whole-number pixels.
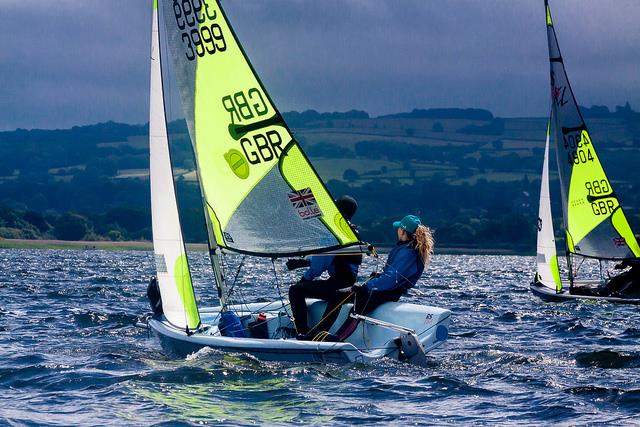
[
  {"x": 594, "y": 222},
  {"x": 261, "y": 198}
]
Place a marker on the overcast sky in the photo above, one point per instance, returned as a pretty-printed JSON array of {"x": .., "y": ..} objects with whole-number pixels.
[{"x": 74, "y": 62}]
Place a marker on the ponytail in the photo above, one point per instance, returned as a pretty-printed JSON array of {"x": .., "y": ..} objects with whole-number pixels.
[{"x": 423, "y": 242}]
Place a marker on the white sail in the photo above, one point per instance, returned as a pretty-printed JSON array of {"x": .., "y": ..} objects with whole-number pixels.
[
  {"x": 172, "y": 267},
  {"x": 547, "y": 260}
]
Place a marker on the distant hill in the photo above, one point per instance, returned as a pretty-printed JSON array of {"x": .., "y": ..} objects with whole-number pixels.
[
  {"x": 443, "y": 113},
  {"x": 472, "y": 176}
]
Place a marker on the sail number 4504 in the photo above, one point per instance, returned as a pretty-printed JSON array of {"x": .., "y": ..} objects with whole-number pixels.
[
  {"x": 577, "y": 149},
  {"x": 199, "y": 40}
]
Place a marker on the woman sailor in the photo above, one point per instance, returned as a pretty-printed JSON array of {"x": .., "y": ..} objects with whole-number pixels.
[{"x": 405, "y": 264}]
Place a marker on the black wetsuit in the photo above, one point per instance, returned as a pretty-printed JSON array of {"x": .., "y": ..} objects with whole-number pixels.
[{"x": 343, "y": 271}]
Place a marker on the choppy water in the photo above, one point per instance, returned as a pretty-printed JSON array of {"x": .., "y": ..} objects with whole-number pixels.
[{"x": 70, "y": 354}]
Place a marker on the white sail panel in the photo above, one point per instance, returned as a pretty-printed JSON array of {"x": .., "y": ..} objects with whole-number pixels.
[
  {"x": 546, "y": 257},
  {"x": 172, "y": 268}
]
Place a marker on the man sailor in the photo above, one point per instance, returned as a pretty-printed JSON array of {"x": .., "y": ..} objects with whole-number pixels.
[{"x": 342, "y": 270}]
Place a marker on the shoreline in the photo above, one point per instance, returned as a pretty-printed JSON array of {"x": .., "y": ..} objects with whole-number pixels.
[{"x": 148, "y": 246}]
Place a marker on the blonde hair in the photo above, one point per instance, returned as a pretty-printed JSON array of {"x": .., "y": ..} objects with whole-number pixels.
[{"x": 423, "y": 242}]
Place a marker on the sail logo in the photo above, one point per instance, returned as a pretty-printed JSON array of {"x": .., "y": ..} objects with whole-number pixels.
[
  {"x": 305, "y": 204},
  {"x": 557, "y": 92},
  {"x": 238, "y": 163}
]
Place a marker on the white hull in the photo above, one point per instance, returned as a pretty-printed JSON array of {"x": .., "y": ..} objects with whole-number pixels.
[{"x": 369, "y": 342}]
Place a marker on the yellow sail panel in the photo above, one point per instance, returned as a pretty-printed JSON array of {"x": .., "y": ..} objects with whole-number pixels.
[
  {"x": 622, "y": 226},
  {"x": 555, "y": 270},
  {"x": 591, "y": 199},
  {"x": 185, "y": 290}
]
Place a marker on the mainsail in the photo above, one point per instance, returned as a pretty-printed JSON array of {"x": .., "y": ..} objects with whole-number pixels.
[
  {"x": 594, "y": 221},
  {"x": 172, "y": 267},
  {"x": 261, "y": 194},
  {"x": 547, "y": 261}
]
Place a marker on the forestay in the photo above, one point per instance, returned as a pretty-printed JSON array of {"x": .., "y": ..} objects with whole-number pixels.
[
  {"x": 261, "y": 194},
  {"x": 546, "y": 257},
  {"x": 172, "y": 268},
  {"x": 594, "y": 221}
]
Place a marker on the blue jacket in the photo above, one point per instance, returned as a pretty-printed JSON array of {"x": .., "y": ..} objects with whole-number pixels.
[
  {"x": 335, "y": 267},
  {"x": 402, "y": 270}
]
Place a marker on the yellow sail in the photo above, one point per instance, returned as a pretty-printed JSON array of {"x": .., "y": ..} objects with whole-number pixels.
[{"x": 262, "y": 195}]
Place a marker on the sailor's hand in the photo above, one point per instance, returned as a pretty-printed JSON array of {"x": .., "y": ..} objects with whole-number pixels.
[{"x": 293, "y": 263}]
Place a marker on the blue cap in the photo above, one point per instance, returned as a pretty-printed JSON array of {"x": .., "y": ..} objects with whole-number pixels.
[{"x": 409, "y": 223}]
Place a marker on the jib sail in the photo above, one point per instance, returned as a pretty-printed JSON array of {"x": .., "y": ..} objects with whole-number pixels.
[
  {"x": 172, "y": 267},
  {"x": 261, "y": 194},
  {"x": 546, "y": 257},
  {"x": 594, "y": 221}
]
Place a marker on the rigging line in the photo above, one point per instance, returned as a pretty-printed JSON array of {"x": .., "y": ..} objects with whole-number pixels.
[
  {"x": 277, "y": 281},
  {"x": 224, "y": 274},
  {"x": 579, "y": 266},
  {"x": 339, "y": 306},
  {"x": 235, "y": 279},
  {"x": 601, "y": 274}
]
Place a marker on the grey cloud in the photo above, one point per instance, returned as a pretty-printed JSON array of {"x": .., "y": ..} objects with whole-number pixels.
[{"x": 87, "y": 61}]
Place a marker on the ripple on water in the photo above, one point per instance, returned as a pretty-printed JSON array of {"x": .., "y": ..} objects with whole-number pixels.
[{"x": 70, "y": 354}]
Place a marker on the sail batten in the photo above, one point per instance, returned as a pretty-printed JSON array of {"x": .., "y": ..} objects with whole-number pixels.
[
  {"x": 260, "y": 192},
  {"x": 593, "y": 219}
]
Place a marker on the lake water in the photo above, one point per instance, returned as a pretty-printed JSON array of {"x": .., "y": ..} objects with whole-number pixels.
[{"x": 70, "y": 353}]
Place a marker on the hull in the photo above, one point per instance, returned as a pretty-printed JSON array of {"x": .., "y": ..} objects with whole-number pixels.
[
  {"x": 368, "y": 343},
  {"x": 551, "y": 295}
]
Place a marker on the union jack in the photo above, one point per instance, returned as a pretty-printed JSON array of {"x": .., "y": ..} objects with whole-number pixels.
[
  {"x": 619, "y": 241},
  {"x": 302, "y": 198}
]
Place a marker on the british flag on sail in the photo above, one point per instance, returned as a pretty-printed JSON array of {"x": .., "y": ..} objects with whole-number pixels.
[{"x": 305, "y": 203}]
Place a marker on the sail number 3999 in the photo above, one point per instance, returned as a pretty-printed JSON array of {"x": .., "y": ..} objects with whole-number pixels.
[{"x": 199, "y": 40}]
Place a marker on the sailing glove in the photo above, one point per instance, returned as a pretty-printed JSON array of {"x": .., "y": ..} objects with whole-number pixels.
[{"x": 293, "y": 263}]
